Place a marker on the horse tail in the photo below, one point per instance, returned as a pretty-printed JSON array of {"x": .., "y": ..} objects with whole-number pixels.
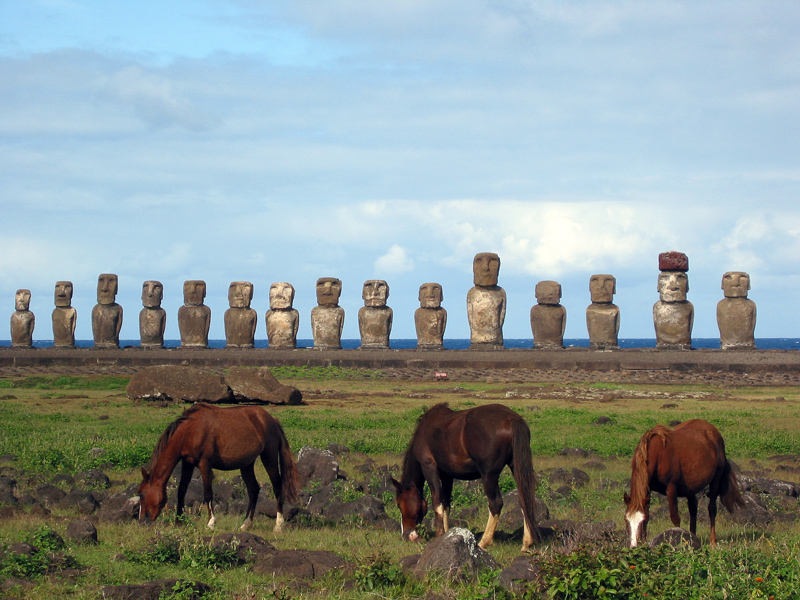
[
  {"x": 287, "y": 465},
  {"x": 729, "y": 492},
  {"x": 524, "y": 475}
]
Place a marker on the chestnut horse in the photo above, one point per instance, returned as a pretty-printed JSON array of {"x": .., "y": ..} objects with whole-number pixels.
[
  {"x": 680, "y": 463},
  {"x": 212, "y": 437},
  {"x": 469, "y": 444}
]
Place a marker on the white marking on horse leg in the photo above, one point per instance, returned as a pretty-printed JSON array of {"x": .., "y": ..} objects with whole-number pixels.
[
  {"x": 279, "y": 523},
  {"x": 442, "y": 514},
  {"x": 248, "y": 522},
  {"x": 487, "y": 539},
  {"x": 527, "y": 538},
  {"x": 212, "y": 520},
  {"x": 634, "y": 522}
]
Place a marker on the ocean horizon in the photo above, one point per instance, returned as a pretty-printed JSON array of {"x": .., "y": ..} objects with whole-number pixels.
[{"x": 459, "y": 344}]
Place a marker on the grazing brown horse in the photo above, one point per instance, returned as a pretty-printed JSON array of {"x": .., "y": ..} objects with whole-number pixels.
[
  {"x": 469, "y": 444},
  {"x": 212, "y": 437},
  {"x": 680, "y": 463}
]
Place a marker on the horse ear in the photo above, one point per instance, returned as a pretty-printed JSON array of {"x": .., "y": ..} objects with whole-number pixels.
[
  {"x": 627, "y": 498},
  {"x": 145, "y": 475},
  {"x": 397, "y": 485}
]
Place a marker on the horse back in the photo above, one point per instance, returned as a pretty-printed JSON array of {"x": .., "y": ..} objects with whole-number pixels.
[
  {"x": 228, "y": 436},
  {"x": 692, "y": 455}
]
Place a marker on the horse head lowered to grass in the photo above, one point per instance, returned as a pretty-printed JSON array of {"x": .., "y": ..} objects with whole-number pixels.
[
  {"x": 212, "y": 437},
  {"x": 680, "y": 463},
  {"x": 469, "y": 444}
]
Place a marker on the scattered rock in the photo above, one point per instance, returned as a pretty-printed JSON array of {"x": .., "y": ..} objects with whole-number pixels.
[
  {"x": 82, "y": 531},
  {"x": 316, "y": 465},
  {"x": 523, "y": 571},
  {"x": 153, "y": 590},
  {"x": 454, "y": 555},
  {"x": 301, "y": 564}
]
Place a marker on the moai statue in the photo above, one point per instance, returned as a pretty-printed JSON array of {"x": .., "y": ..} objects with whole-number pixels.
[
  {"x": 194, "y": 317},
  {"x": 240, "y": 319},
  {"x": 22, "y": 321},
  {"x": 327, "y": 318},
  {"x": 736, "y": 313},
  {"x": 106, "y": 314},
  {"x": 430, "y": 318},
  {"x": 152, "y": 318},
  {"x": 548, "y": 316},
  {"x": 602, "y": 315},
  {"x": 673, "y": 314},
  {"x": 375, "y": 318},
  {"x": 282, "y": 320},
  {"x": 486, "y": 303},
  {"x": 64, "y": 316}
]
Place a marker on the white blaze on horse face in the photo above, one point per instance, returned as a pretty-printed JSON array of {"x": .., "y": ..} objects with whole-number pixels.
[{"x": 635, "y": 521}]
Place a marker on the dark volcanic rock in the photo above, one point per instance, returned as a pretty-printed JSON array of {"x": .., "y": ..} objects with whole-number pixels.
[
  {"x": 174, "y": 382},
  {"x": 300, "y": 564},
  {"x": 454, "y": 555},
  {"x": 316, "y": 465},
  {"x": 260, "y": 386},
  {"x": 153, "y": 590},
  {"x": 82, "y": 531}
]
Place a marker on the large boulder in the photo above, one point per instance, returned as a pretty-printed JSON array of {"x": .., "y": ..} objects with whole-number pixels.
[
  {"x": 178, "y": 383},
  {"x": 301, "y": 564},
  {"x": 454, "y": 555},
  {"x": 260, "y": 385}
]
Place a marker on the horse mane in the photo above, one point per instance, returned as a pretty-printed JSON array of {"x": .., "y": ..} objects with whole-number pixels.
[
  {"x": 408, "y": 458},
  {"x": 640, "y": 477},
  {"x": 169, "y": 431}
]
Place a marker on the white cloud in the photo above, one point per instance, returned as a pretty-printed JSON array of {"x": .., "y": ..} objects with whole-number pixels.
[{"x": 396, "y": 260}]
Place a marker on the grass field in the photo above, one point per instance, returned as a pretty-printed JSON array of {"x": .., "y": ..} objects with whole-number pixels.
[{"x": 54, "y": 425}]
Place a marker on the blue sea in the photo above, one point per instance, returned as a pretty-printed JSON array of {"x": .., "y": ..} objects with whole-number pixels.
[{"x": 462, "y": 344}]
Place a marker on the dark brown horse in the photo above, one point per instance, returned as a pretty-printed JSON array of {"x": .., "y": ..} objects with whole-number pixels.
[
  {"x": 468, "y": 444},
  {"x": 211, "y": 437},
  {"x": 680, "y": 463}
]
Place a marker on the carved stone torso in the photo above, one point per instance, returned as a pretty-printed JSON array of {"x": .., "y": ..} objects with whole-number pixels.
[
  {"x": 736, "y": 318},
  {"x": 430, "y": 324},
  {"x": 326, "y": 326},
  {"x": 375, "y": 326},
  {"x": 673, "y": 323},
  {"x": 152, "y": 322},
  {"x": 282, "y": 327},
  {"x": 602, "y": 321},
  {"x": 64, "y": 319},
  {"x": 194, "y": 322},
  {"x": 240, "y": 327},
  {"x": 547, "y": 324},
  {"x": 486, "y": 311},
  {"x": 22, "y": 324},
  {"x": 106, "y": 325}
]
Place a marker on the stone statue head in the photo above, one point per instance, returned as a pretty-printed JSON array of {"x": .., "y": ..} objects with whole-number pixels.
[
  {"x": 22, "y": 300},
  {"x": 328, "y": 291},
  {"x": 673, "y": 286},
  {"x": 63, "y": 294},
  {"x": 240, "y": 294},
  {"x": 281, "y": 295},
  {"x": 430, "y": 295},
  {"x": 107, "y": 288},
  {"x": 735, "y": 284},
  {"x": 152, "y": 294},
  {"x": 194, "y": 291},
  {"x": 548, "y": 292},
  {"x": 602, "y": 287},
  {"x": 485, "y": 268},
  {"x": 375, "y": 292}
]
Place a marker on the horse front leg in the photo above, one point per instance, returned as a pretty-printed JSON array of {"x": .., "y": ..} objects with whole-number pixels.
[
  {"x": 431, "y": 474},
  {"x": 492, "y": 488},
  {"x": 208, "y": 477},
  {"x": 446, "y": 498},
  {"x": 249, "y": 477},
  {"x": 186, "y": 478},
  {"x": 672, "y": 501}
]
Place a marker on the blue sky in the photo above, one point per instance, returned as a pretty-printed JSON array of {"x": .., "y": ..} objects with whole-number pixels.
[{"x": 285, "y": 141}]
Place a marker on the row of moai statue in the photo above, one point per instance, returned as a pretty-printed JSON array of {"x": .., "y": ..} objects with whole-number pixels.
[{"x": 673, "y": 314}]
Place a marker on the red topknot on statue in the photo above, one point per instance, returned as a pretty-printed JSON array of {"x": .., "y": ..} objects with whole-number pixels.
[{"x": 673, "y": 261}]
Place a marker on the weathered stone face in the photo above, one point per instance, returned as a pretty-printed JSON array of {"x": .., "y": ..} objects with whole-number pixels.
[
  {"x": 430, "y": 295},
  {"x": 673, "y": 286},
  {"x": 281, "y": 295},
  {"x": 486, "y": 312},
  {"x": 375, "y": 292},
  {"x": 735, "y": 284},
  {"x": 485, "y": 268},
  {"x": 548, "y": 292},
  {"x": 240, "y": 294},
  {"x": 602, "y": 287},
  {"x": 326, "y": 325},
  {"x": 152, "y": 294},
  {"x": 328, "y": 291},
  {"x": 194, "y": 292},
  {"x": 107, "y": 288},
  {"x": 63, "y": 294},
  {"x": 22, "y": 300}
]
